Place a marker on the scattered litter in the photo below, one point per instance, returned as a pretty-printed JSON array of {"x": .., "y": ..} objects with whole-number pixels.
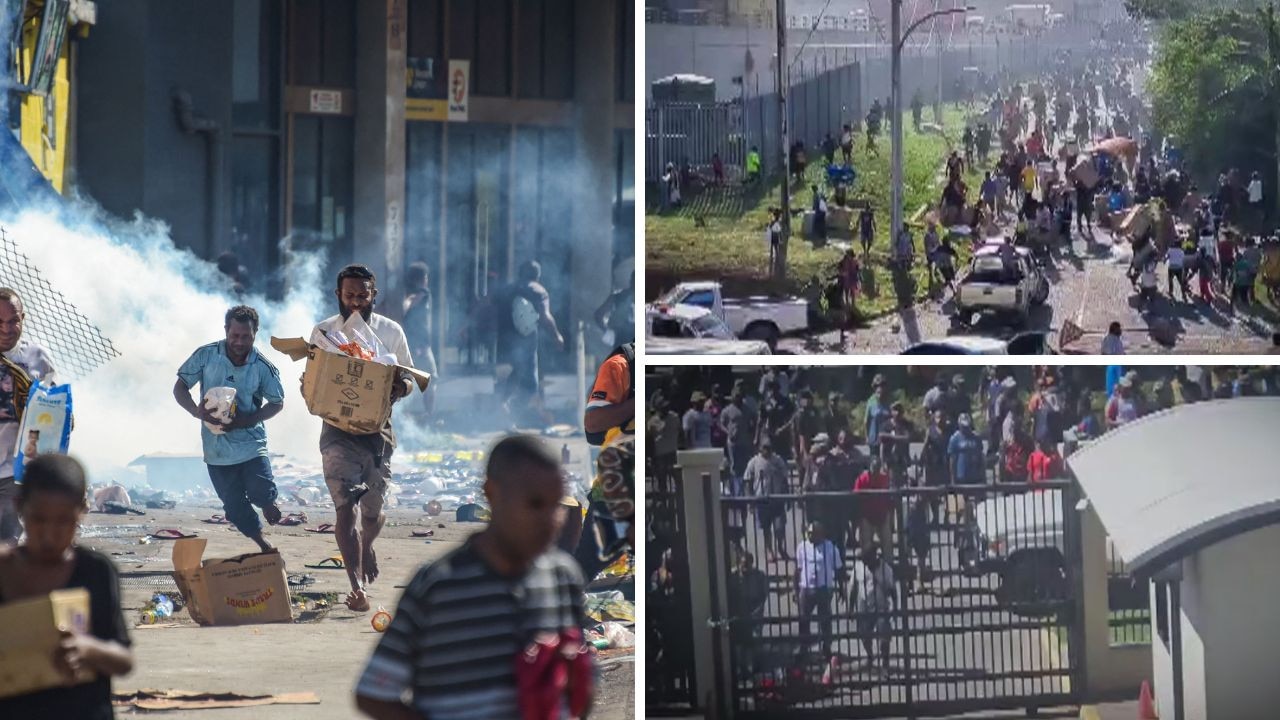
[
  {"x": 115, "y": 508},
  {"x": 190, "y": 700},
  {"x": 298, "y": 580},
  {"x": 293, "y": 519},
  {"x": 380, "y": 619},
  {"x": 433, "y": 508},
  {"x": 323, "y": 528},
  {"x": 424, "y": 533},
  {"x": 472, "y": 512},
  {"x": 157, "y": 626},
  {"x": 607, "y": 606},
  {"x": 172, "y": 534},
  {"x": 329, "y": 563},
  {"x": 618, "y": 635}
]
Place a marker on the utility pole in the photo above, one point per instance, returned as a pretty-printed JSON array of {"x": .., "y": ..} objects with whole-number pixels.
[
  {"x": 780, "y": 260},
  {"x": 895, "y": 98}
]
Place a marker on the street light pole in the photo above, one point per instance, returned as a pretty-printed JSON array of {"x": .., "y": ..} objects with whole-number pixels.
[
  {"x": 895, "y": 176},
  {"x": 898, "y": 38},
  {"x": 780, "y": 260}
]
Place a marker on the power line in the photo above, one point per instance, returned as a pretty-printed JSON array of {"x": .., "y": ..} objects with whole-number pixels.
[{"x": 817, "y": 21}]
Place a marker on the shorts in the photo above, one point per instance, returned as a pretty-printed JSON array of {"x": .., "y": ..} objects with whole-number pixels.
[{"x": 348, "y": 463}]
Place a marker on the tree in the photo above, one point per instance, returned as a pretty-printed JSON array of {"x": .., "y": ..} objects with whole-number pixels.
[{"x": 1216, "y": 87}]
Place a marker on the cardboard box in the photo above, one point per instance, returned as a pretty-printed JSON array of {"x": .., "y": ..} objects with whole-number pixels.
[
  {"x": 1136, "y": 221},
  {"x": 29, "y": 634},
  {"x": 1085, "y": 172},
  {"x": 351, "y": 394},
  {"x": 243, "y": 590}
]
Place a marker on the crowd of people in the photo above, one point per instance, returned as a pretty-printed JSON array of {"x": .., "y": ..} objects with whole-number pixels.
[{"x": 875, "y": 436}]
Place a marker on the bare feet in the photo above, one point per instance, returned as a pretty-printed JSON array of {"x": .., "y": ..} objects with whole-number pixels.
[
  {"x": 271, "y": 513},
  {"x": 357, "y": 601},
  {"x": 369, "y": 566}
]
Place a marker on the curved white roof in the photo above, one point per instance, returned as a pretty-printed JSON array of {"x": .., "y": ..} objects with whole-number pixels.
[{"x": 1174, "y": 482}]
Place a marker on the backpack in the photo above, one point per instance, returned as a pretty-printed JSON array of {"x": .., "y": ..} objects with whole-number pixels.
[{"x": 627, "y": 351}]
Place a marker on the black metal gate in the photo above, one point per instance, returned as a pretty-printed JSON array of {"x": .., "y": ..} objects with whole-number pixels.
[
  {"x": 669, "y": 675},
  {"x": 977, "y": 609}
]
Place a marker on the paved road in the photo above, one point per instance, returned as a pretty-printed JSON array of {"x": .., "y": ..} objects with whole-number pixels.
[{"x": 1088, "y": 288}]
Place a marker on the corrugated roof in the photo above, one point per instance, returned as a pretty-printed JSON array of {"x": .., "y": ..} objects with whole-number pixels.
[{"x": 1171, "y": 483}]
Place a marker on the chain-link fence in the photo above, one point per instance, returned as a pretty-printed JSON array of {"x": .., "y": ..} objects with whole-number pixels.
[{"x": 77, "y": 345}]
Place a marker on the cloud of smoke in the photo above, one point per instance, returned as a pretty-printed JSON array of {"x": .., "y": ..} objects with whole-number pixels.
[{"x": 157, "y": 304}]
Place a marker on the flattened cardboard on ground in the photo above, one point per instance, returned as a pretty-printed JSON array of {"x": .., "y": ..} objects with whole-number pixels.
[
  {"x": 29, "y": 634},
  {"x": 189, "y": 700},
  {"x": 351, "y": 394},
  {"x": 243, "y": 590}
]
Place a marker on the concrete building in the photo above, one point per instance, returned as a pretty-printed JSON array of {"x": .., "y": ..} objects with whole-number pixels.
[
  {"x": 470, "y": 134},
  {"x": 1200, "y": 519}
]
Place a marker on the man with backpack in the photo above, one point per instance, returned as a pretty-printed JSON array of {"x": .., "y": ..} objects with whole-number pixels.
[{"x": 610, "y": 419}]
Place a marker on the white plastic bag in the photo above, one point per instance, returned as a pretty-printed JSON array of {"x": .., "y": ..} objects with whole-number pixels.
[
  {"x": 221, "y": 401},
  {"x": 46, "y": 425}
]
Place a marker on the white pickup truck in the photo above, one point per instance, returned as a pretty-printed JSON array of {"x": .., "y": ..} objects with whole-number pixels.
[
  {"x": 753, "y": 318},
  {"x": 1002, "y": 280},
  {"x": 1020, "y": 538},
  {"x": 693, "y": 330}
]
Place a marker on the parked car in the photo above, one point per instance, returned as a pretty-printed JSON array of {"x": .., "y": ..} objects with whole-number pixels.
[
  {"x": 752, "y": 318},
  {"x": 1003, "y": 281},
  {"x": 692, "y": 330},
  {"x": 1019, "y": 537}
]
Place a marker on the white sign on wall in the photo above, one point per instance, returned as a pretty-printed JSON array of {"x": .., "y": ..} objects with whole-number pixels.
[
  {"x": 327, "y": 102},
  {"x": 459, "y": 89}
]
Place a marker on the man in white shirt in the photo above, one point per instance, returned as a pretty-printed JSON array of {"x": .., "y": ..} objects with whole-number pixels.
[
  {"x": 1255, "y": 199},
  {"x": 358, "y": 467},
  {"x": 1176, "y": 259},
  {"x": 873, "y": 596},
  {"x": 819, "y": 571},
  {"x": 24, "y": 361}
]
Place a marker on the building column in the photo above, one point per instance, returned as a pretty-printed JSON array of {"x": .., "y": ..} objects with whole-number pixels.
[
  {"x": 378, "y": 216},
  {"x": 595, "y": 94},
  {"x": 699, "y": 535}
]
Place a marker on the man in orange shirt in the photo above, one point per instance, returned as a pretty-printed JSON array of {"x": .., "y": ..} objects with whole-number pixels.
[{"x": 610, "y": 418}]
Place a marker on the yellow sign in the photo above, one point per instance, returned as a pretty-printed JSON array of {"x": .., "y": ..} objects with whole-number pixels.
[{"x": 420, "y": 109}]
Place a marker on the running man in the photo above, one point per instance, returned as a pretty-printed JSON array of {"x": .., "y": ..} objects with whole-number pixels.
[
  {"x": 358, "y": 467},
  {"x": 236, "y": 455}
]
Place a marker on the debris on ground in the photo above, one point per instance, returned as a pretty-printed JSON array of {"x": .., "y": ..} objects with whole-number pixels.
[
  {"x": 191, "y": 700},
  {"x": 611, "y": 605}
]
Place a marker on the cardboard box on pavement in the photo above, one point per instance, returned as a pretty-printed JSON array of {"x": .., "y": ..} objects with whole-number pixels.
[
  {"x": 29, "y": 634},
  {"x": 242, "y": 590},
  {"x": 349, "y": 393}
]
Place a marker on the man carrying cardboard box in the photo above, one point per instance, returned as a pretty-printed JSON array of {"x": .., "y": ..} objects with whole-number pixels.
[
  {"x": 236, "y": 454},
  {"x": 358, "y": 467}
]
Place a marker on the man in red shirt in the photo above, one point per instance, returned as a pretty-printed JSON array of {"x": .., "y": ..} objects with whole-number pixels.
[
  {"x": 876, "y": 509},
  {"x": 1045, "y": 463}
]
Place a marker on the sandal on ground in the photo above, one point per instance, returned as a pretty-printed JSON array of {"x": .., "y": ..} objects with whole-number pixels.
[
  {"x": 329, "y": 563},
  {"x": 171, "y": 534}
]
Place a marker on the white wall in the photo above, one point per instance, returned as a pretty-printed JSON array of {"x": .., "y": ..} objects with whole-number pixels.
[
  {"x": 1242, "y": 648},
  {"x": 1230, "y": 632}
]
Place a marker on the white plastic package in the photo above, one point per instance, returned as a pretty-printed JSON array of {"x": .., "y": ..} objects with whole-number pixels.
[
  {"x": 221, "y": 401},
  {"x": 46, "y": 425}
]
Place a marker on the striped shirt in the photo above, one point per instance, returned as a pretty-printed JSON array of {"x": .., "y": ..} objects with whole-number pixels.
[{"x": 458, "y": 629}]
